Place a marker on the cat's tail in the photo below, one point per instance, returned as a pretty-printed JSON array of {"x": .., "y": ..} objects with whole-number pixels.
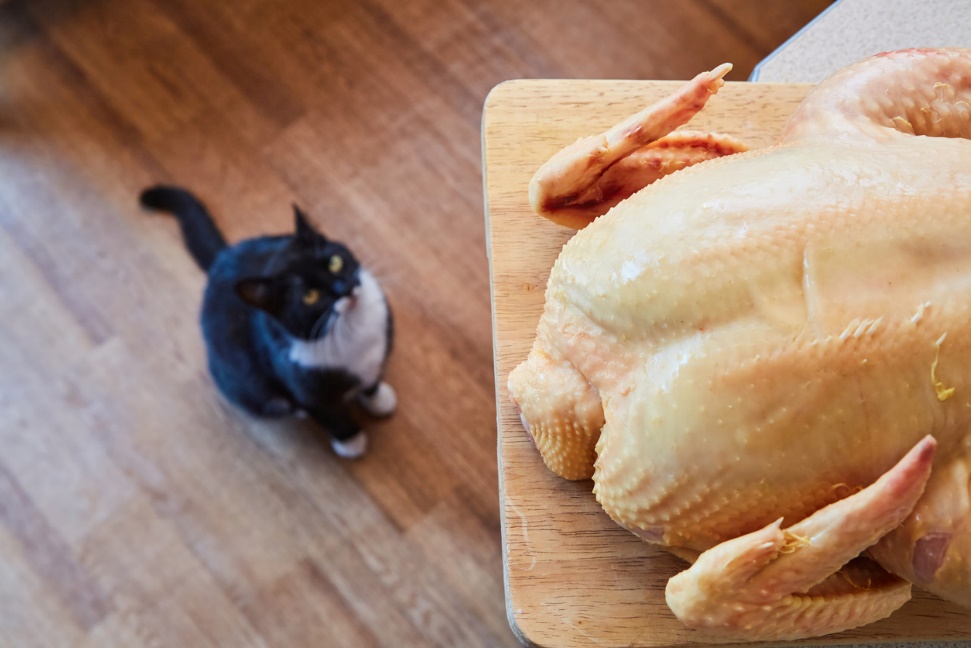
[{"x": 199, "y": 230}]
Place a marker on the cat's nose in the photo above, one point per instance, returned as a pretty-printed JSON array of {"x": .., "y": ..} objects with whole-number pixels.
[{"x": 343, "y": 289}]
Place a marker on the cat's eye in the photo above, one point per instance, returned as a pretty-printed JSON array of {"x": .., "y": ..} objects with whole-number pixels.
[
  {"x": 336, "y": 264},
  {"x": 311, "y": 297}
]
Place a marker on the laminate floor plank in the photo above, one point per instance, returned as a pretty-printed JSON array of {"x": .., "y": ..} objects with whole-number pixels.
[{"x": 136, "y": 506}]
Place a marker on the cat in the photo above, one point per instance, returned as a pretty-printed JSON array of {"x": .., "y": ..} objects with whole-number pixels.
[{"x": 293, "y": 324}]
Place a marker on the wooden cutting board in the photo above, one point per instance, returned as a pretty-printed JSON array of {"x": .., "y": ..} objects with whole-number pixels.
[{"x": 573, "y": 577}]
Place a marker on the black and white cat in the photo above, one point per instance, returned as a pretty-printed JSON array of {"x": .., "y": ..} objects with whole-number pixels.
[{"x": 293, "y": 324}]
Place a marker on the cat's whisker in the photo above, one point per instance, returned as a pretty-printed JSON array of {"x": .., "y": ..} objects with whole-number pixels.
[
  {"x": 319, "y": 328},
  {"x": 383, "y": 275},
  {"x": 375, "y": 265},
  {"x": 337, "y": 329},
  {"x": 343, "y": 329}
]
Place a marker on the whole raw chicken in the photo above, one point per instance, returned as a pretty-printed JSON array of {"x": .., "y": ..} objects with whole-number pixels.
[{"x": 766, "y": 357}]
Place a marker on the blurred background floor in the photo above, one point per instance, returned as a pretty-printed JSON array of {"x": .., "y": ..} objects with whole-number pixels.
[{"x": 136, "y": 508}]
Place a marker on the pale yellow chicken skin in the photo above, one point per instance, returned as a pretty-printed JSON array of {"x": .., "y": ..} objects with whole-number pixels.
[{"x": 759, "y": 336}]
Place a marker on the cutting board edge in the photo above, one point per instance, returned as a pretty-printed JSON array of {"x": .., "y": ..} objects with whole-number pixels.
[{"x": 526, "y": 631}]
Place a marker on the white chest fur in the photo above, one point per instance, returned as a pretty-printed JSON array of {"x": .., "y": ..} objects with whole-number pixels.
[{"x": 356, "y": 340}]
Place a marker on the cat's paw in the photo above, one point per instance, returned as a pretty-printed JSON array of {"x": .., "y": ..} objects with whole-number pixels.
[
  {"x": 382, "y": 402},
  {"x": 351, "y": 448},
  {"x": 277, "y": 407}
]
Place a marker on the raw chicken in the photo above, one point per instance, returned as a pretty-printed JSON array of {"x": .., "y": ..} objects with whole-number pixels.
[{"x": 741, "y": 352}]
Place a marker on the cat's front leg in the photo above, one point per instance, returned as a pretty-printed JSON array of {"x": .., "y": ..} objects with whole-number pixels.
[
  {"x": 346, "y": 438},
  {"x": 351, "y": 448},
  {"x": 379, "y": 399}
]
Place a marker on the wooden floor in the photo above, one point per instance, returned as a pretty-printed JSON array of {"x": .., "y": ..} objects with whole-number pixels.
[{"x": 136, "y": 508}]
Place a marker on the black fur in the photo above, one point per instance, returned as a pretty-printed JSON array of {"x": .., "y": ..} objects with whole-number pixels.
[
  {"x": 262, "y": 296},
  {"x": 198, "y": 229}
]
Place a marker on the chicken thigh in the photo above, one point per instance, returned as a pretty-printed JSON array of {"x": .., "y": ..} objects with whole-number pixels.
[{"x": 764, "y": 360}]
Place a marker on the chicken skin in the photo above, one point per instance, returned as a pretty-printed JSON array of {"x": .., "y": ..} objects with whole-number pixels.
[{"x": 761, "y": 357}]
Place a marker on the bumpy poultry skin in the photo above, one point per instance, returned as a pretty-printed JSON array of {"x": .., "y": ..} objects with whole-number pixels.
[{"x": 759, "y": 336}]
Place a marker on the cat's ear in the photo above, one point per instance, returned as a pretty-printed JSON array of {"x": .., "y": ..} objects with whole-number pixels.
[
  {"x": 305, "y": 232},
  {"x": 259, "y": 292}
]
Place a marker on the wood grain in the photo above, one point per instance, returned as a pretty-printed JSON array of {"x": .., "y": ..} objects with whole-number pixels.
[
  {"x": 136, "y": 507},
  {"x": 573, "y": 577}
]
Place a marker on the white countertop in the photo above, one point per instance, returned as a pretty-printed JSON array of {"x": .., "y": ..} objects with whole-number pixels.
[{"x": 854, "y": 29}]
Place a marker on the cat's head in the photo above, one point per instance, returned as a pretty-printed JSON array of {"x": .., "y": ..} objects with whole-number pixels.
[{"x": 308, "y": 283}]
